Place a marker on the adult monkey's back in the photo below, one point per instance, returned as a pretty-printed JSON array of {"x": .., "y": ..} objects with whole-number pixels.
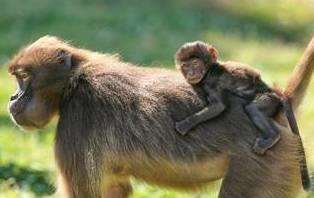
[{"x": 117, "y": 120}]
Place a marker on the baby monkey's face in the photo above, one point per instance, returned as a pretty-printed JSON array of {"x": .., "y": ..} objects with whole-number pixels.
[{"x": 193, "y": 70}]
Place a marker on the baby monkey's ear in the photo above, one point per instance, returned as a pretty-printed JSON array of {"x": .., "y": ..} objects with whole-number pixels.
[{"x": 213, "y": 53}]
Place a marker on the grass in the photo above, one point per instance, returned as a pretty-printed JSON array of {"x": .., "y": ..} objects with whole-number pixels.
[{"x": 269, "y": 36}]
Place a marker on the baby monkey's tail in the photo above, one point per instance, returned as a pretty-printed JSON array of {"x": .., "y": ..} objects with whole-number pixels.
[
  {"x": 293, "y": 96},
  {"x": 305, "y": 177}
]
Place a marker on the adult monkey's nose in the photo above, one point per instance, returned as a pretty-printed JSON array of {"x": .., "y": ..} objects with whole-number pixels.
[{"x": 14, "y": 97}]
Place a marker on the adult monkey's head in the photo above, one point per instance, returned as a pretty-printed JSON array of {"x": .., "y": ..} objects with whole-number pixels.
[{"x": 41, "y": 70}]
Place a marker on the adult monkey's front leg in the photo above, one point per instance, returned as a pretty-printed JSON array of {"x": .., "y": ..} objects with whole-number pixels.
[{"x": 111, "y": 189}]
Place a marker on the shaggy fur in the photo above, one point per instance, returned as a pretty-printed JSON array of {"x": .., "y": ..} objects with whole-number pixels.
[{"x": 117, "y": 120}]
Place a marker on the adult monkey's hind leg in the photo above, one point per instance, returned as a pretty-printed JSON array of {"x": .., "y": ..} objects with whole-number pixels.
[{"x": 274, "y": 175}]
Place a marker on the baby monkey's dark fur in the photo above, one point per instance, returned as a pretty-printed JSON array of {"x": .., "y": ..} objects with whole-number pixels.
[{"x": 198, "y": 63}]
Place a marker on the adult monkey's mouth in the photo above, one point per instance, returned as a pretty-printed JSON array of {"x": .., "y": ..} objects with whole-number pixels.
[{"x": 23, "y": 123}]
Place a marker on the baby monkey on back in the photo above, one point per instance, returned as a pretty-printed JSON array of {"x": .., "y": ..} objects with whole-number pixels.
[
  {"x": 198, "y": 63},
  {"x": 221, "y": 82}
]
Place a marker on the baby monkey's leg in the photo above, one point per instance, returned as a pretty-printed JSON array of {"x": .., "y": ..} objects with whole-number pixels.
[
  {"x": 258, "y": 113},
  {"x": 207, "y": 113}
]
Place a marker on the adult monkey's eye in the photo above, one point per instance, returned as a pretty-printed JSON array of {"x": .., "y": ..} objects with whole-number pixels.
[
  {"x": 23, "y": 75},
  {"x": 23, "y": 79}
]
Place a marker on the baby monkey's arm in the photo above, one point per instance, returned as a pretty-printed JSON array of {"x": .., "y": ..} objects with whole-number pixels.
[
  {"x": 194, "y": 60},
  {"x": 214, "y": 108}
]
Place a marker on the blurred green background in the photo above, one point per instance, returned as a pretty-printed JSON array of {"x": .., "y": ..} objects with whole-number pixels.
[{"x": 270, "y": 35}]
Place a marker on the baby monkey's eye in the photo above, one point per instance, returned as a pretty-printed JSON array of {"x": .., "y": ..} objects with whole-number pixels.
[
  {"x": 184, "y": 66},
  {"x": 194, "y": 62}
]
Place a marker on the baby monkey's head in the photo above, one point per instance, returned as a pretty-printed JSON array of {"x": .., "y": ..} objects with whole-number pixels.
[{"x": 195, "y": 59}]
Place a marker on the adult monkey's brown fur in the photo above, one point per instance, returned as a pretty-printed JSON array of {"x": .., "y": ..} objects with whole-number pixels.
[{"x": 117, "y": 120}]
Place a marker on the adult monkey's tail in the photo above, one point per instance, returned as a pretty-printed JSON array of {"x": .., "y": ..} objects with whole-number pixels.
[
  {"x": 301, "y": 77},
  {"x": 295, "y": 92}
]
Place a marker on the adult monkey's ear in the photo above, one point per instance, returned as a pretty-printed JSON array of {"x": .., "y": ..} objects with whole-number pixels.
[{"x": 65, "y": 58}]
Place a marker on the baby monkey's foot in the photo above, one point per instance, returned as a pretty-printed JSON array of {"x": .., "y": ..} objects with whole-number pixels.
[
  {"x": 263, "y": 144},
  {"x": 183, "y": 127}
]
